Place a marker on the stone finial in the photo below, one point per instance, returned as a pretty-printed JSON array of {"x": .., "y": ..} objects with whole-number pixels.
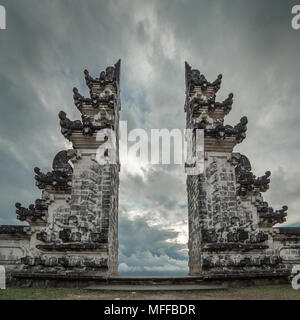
[
  {"x": 86, "y": 126},
  {"x": 246, "y": 180},
  {"x": 222, "y": 132},
  {"x": 193, "y": 77},
  {"x": 61, "y": 162},
  {"x": 211, "y": 105},
  {"x": 262, "y": 183},
  {"x": 111, "y": 75},
  {"x": 61, "y": 176},
  {"x": 269, "y": 217},
  {"x": 33, "y": 212},
  {"x": 106, "y": 98},
  {"x": 78, "y": 99},
  {"x": 68, "y": 126}
]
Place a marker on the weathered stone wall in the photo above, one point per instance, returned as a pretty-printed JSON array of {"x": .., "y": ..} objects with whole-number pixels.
[
  {"x": 14, "y": 244},
  {"x": 196, "y": 208},
  {"x": 286, "y": 244},
  {"x": 222, "y": 227},
  {"x": 75, "y": 236},
  {"x": 112, "y": 193}
]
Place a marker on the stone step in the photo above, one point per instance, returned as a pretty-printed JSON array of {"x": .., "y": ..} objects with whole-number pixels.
[
  {"x": 152, "y": 280},
  {"x": 157, "y": 287}
]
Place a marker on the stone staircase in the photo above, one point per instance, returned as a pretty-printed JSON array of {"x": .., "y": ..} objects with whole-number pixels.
[{"x": 155, "y": 283}]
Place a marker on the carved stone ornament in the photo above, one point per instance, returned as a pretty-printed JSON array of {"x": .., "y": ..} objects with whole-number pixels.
[{"x": 35, "y": 212}]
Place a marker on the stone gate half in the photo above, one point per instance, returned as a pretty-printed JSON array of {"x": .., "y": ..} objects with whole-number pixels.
[
  {"x": 231, "y": 232},
  {"x": 74, "y": 226}
]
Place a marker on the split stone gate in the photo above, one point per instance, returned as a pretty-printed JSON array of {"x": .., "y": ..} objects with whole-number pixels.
[{"x": 73, "y": 228}]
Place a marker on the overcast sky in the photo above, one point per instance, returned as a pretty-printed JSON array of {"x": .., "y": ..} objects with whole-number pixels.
[{"x": 49, "y": 43}]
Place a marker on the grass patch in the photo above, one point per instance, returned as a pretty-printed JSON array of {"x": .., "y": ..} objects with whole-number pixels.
[
  {"x": 275, "y": 292},
  {"x": 38, "y": 294}
]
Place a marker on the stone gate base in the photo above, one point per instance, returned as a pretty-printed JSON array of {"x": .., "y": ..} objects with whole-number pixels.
[{"x": 77, "y": 281}]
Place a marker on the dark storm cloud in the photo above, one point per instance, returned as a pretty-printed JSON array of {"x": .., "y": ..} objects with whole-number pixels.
[
  {"x": 47, "y": 45},
  {"x": 148, "y": 250}
]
